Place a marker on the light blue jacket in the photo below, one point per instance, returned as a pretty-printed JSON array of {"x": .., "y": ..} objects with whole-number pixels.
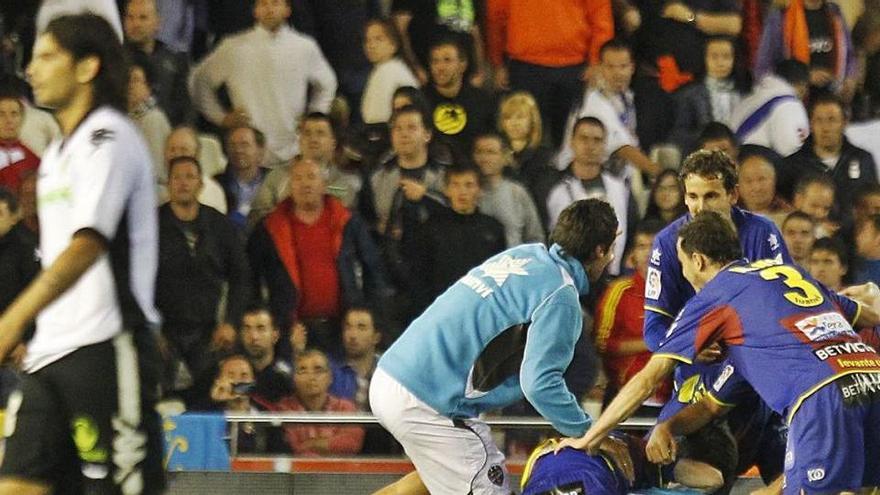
[{"x": 437, "y": 357}]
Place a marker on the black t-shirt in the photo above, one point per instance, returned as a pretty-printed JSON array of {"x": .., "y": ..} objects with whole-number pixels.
[
  {"x": 821, "y": 39},
  {"x": 458, "y": 120}
]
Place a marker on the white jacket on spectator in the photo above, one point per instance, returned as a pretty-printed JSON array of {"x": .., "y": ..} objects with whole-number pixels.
[
  {"x": 269, "y": 75},
  {"x": 772, "y": 116},
  {"x": 865, "y": 135},
  {"x": 384, "y": 80}
]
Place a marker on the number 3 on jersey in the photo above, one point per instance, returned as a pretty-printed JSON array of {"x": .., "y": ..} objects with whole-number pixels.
[{"x": 807, "y": 295}]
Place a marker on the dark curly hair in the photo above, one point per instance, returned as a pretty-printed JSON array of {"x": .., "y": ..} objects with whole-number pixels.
[
  {"x": 712, "y": 235},
  {"x": 583, "y": 226}
]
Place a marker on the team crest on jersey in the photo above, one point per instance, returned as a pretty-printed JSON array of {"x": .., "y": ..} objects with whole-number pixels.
[
  {"x": 496, "y": 475},
  {"x": 824, "y": 326},
  {"x": 502, "y": 268},
  {"x": 655, "y": 256},
  {"x": 774, "y": 242},
  {"x": 653, "y": 286},
  {"x": 101, "y": 136},
  {"x": 725, "y": 375}
]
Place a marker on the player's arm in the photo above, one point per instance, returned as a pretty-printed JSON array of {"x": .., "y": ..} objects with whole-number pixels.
[
  {"x": 630, "y": 397},
  {"x": 868, "y": 298},
  {"x": 84, "y": 249},
  {"x": 662, "y": 448}
]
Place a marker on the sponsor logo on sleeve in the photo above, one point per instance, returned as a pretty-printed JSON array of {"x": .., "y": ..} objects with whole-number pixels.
[
  {"x": 653, "y": 286},
  {"x": 725, "y": 375},
  {"x": 774, "y": 242},
  {"x": 825, "y": 326},
  {"x": 655, "y": 256}
]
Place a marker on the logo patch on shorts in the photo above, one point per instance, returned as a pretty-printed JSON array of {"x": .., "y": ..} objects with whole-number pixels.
[
  {"x": 817, "y": 474},
  {"x": 653, "y": 287},
  {"x": 496, "y": 475}
]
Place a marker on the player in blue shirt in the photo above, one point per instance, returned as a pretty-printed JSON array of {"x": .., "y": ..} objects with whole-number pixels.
[
  {"x": 504, "y": 331},
  {"x": 792, "y": 340}
]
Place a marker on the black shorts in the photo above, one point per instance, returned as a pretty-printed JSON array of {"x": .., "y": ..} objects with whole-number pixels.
[{"x": 87, "y": 424}]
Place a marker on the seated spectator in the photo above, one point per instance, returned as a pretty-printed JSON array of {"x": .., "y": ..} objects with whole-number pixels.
[
  {"x": 312, "y": 378},
  {"x": 866, "y": 265},
  {"x": 717, "y": 136},
  {"x": 184, "y": 141},
  {"x": 519, "y": 120},
  {"x": 712, "y": 99},
  {"x": 456, "y": 239},
  {"x": 773, "y": 115},
  {"x": 246, "y": 148},
  {"x": 231, "y": 392},
  {"x": 382, "y": 46},
  {"x": 459, "y": 109},
  {"x": 318, "y": 142},
  {"x": 585, "y": 179},
  {"x": 829, "y": 263},
  {"x": 613, "y": 104},
  {"x": 307, "y": 252},
  {"x": 814, "y": 195},
  {"x": 17, "y": 161},
  {"x": 259, "y": 339},
  {"x": 502, "y": 198},
  {"x": 144, "y": 111},
  {"x": 827, "y": 151},
  {"x": 666, "y": 201},
  {"x": 799, "y": 232},
  {"x": 201, "y": 258},
  {"x": 757, "y": 185},
  {"x": 620, "y": 318},
  {"x": 813, "y": 32}
]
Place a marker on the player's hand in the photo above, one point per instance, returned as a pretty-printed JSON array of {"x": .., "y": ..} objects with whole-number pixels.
[
  {"x": 583, "y": 443},
  {"x": 710, "y": 354},
  {"x": 413, "y": 190},
  {"x": 661, "y": 448},
  {"x": 618, "y": 451},
  {"x": 867, "y": 294},
  {"x": 224, "y": 337}
]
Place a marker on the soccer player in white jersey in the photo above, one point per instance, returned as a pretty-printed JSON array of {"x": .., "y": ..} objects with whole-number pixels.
[{"x": 83, "y": 421}]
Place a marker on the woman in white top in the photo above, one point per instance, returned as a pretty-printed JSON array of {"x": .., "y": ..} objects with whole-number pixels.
[{"x": 382, "y": 48}]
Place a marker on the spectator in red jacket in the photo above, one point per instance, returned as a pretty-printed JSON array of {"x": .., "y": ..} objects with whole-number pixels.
[
  {"x": 17, "y": 161},
  {"x": 311, "y": 382}
]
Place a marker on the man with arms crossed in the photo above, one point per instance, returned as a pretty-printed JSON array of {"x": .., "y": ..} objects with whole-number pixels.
[
  {"x": 766, "y": 314},
  {"x": 505, "y": 330},
  {"x": 84, "y": 419}
]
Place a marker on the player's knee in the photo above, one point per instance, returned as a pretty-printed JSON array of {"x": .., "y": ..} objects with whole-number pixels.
[{"x": 698, "y": 475}]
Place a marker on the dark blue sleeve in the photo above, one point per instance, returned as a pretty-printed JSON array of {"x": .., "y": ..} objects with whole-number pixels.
[{"x": 666, "y": 290}]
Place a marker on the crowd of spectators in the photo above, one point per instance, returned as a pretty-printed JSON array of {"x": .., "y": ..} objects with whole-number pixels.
[{"x": 325, "y": 169}]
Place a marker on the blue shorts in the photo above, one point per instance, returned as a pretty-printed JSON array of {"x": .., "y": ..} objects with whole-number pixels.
[
  {"x": 572, "y": 471},
  {"x": 834, "y": 438}
]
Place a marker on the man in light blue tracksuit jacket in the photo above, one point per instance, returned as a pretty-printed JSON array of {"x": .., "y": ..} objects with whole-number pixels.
[{"x": 505, "y": 330}]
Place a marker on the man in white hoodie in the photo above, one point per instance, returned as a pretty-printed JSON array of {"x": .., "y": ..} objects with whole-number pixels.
[
  {"x": 269, "y": 72},
  {"x": 774, "y": 116}
]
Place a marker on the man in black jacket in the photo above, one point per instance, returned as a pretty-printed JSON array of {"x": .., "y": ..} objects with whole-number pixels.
[
  {"x": 200, "y": 257},
  {"x": 827, "y": 151}
]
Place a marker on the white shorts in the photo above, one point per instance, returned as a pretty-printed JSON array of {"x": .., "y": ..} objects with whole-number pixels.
[{"x": 452, "y": 457}]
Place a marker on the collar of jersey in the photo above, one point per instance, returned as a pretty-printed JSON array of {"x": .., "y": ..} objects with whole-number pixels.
[{"x": 574, "y": 268}]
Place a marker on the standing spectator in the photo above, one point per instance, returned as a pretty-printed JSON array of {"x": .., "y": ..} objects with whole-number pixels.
[
  {"x": 815, "y": 33},
  {"x": 169, "y": 68},
  {"x": 294, "y": 77},
  {"x": 307, "y": 252},
  {"x": 666, "y": 201},
  {"x": 184, "y": 141},
  {"x": 519, "y": 120},
  {"x": 143, "y": 111},
  {"x": 613, "y": 103},
  {"x": 619, "y": 318},
  {"x": 545, "y": 48},
  {"x": 827, "y": 151},
  {"x": 773, "y": 115},
  {"x": 259, "y": 338},
  {"x": 318, "y": 143},
  {"x": 585, "y": 179},
  {"x": 360, "y": 354},
  {"x": 799, "y": 232},
  {"x": 711, "y": 99},
  {"x": 814, "y": 195},
  {"x": 200, "y": 257},
  {"x": 757, "y": 185},
  {"x": 17, "y": 161},
  {"x": 382, "y": 47},
  {"x": 454, "y": 240},
  {"x": 829, "y": 263},
  {"x": 867, "y": 260},
  {"x": 244, "y": 175},
  {"x": 459, "y": 110},
  {"x": 502, "y": 198},
  {"x": 312, "y": 378}
]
